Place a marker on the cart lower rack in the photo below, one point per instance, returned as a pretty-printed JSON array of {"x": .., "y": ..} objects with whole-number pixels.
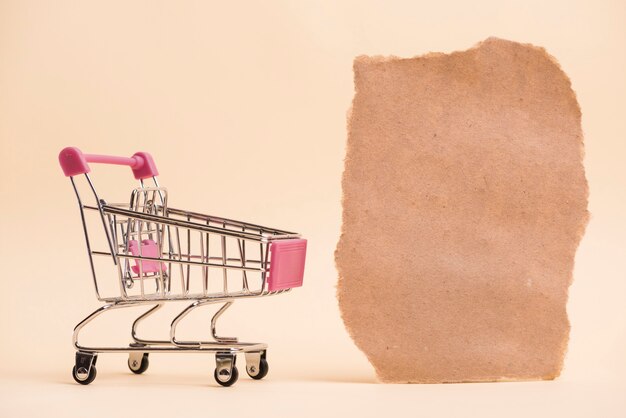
[{"x": 159, "y": 254}]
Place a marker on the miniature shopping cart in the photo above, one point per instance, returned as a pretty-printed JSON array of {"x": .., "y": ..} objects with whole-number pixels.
[{"x": 161, "y": 254}]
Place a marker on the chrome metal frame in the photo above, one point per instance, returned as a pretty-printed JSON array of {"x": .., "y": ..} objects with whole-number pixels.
[{"x": 148, "y": 220}]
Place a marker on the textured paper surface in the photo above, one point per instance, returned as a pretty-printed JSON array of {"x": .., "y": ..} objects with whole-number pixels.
[{"x": 464, "y": 200}]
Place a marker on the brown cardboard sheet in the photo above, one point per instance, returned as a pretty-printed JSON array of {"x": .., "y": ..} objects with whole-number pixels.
[{"x": 464, "y": 201}]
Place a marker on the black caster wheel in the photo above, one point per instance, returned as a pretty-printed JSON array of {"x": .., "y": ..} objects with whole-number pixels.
[
  {"x": 259, "y": 373},
  {"x": 137, "y": 365},
  {"x": 81, "y": 376},
  {"x": 224, "y": 379}
]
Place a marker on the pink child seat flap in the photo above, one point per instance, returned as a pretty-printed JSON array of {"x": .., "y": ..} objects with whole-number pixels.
[
  {"x": 148, "y": 248},
  {"x": 286, "y": 264}
]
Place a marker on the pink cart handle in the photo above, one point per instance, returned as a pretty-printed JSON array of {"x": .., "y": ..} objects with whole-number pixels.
[{"x": 74, "y": 162}]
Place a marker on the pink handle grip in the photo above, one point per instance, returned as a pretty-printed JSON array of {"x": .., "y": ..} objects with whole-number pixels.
[{"x": 74, "y": 162}]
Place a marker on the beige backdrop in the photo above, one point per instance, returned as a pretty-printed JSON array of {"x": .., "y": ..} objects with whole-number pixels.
[{"x": 229, "y": 98}]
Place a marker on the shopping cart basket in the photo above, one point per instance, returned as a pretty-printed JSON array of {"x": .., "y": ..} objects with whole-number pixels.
[{"x": 160, "y": 254}]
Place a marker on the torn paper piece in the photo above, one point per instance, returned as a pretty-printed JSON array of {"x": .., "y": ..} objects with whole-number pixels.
[{"x": 464, "y": 200}]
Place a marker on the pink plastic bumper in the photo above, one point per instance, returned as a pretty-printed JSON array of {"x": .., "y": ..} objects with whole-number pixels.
[{"x": 286, "y": 264}]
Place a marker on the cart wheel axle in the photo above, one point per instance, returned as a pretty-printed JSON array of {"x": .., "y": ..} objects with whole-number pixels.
[
  {"x": 138, "y": 362},
  {"x": 82, "y": 376},
  {"x": 226, "y": 373},
  {"x": 84, "y": 370},
  {"x": 259, "y": 372},
  {"x": 256, "y": 364},
  {"x": 225, "y": 378}
]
